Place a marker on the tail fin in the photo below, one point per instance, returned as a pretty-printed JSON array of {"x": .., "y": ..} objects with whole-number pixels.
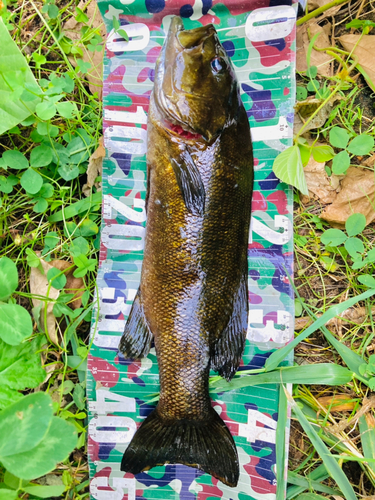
[{"x": 206, "y": 445}]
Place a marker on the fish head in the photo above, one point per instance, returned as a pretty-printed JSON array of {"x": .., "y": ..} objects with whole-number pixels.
[{"x": 195, "y": 85}]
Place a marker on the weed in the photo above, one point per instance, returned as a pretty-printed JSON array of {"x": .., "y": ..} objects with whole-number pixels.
[
  {"x": 288, "y": 166},
  {"x": 46, "y": 144},
  {"x": 361, "y": 254},
  {"x": 32, "y": 439},
  {"x": 52, "y": 233}
]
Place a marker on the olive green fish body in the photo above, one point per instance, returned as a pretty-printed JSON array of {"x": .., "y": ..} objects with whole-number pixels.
[{"x": 193, "y": 294}]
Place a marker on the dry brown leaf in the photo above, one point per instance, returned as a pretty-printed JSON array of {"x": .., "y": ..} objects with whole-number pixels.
[
  {"x": 304, "y": 109},
  {"x": 356, "y": 196},
  {"x": 367, "y": 403},
  {"x": 55, "y": 392},
  {"x": 353, "y": 315},
  {"x": 50, "y": 370},
  {"x": 319, "y": 59},
  {"x": 316, "y": 4},
  {"x": 339, "y": 403},
  {"x": 39, "y": 286},
  {"x": 94, "y": 168},
  {"x": 72, "y": 29},
  {"x": 365, "y": 53},
  {"x": 50, "y": 480},
  {"x": 318, "y": 182},
  {"x": 369, "y": 162},
  {"x": 20, "y": 238},
  {"x": 370, "y": 420},
  {"x": 73, "y": 285}
]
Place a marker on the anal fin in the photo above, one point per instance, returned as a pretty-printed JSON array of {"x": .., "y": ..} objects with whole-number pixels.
[
  {"x": 136, "y": 340},
  {"x": 228, "y": 349},
  {"x": 190, "y": 182}
]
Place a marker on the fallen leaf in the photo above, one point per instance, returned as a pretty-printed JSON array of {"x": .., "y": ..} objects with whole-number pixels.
[
  {"x": 304, "y": 109},
  {"x": 50, "y": 480},
  {"x": 365, "y": 53},
  {"x": 72, "y": 29},
  {"x": 51, "y": 368},
  {"x": 355, "y": 315},
  {"x": 39, "y": 286},
  {"x": 73, "y": 285},
  {"x": 316, "y": 4},
  {"x": 356, "y": 196},
  {"x": 318, "y": 182},
  {"x": 94, "y": 169},
  {"x": 367, "y": 403},
  {"x": 369, "y": 162},
  {"x": 370, "y": 420},
  {"x": 339, "y": 403},
  {"x": 20, "y": 238},
  {"x": 318, "y": 58},
  {"x": 55, "y": 393}
]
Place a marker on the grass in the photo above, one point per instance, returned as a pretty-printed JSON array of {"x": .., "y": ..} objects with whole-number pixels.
[
  {"x": 45, "y": 158},
  {"x": 330, "y": 421},
  {"x": 44, "y": 164}
]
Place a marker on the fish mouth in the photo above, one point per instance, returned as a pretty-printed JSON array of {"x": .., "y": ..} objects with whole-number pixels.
[
  {"x": 190, "y": 39},
  {"x": 171, "y": 100}
]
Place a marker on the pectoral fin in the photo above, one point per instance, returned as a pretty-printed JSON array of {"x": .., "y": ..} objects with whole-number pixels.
[
  {"x": 227, "y": 351},
  {"x": 190, "y": 182},
  {"x": 136, "y": 340}
]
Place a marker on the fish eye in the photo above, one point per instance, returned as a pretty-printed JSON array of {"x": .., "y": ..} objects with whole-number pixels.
[{"x": 217, "y": 64}]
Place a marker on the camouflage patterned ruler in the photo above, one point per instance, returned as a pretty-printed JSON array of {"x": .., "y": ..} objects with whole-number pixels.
[{"x": 260, "y": 39}]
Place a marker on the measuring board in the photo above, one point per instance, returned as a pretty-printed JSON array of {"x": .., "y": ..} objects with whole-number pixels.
[{"x": 260, "y": 39}]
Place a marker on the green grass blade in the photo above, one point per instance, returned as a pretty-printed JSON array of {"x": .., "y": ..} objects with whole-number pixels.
[
  {"x": 366, "y": 76},
  {"x": 276, "y": 357},
  {"x": 310, "y": 496},
  {"x": 306, "y": 483},
  {"x": 309, "y": 49},
  {"x": 367, "y": 430},
  {"x": 76, "y": 208},
  {"x": 351, "y": 358},
  {"x": 72, "y": 328},
  {"x": 329, "y": 461},
  {"x": 282, "y": 425},
  {"x": 349, "y": 458},
  {"x": 319, "y": 474},
  {"x": 330, "y": 373}
]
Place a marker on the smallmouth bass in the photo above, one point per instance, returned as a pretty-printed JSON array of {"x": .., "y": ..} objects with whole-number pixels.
[{"x": 193, "y": 296}]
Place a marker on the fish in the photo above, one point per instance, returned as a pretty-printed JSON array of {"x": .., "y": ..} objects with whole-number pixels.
[{"x": 192, "y": 301}]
